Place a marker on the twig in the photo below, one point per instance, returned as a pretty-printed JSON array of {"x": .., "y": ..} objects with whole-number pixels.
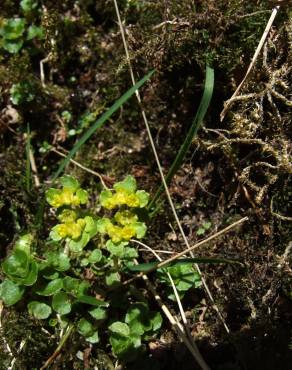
[
  {"x": 82, "y": 167},
  {"x": 59, "y": 348},
  {"x": 252, "y": 63},
  {"x": 160, "y": 168},
  {"x": 34, "y": 168}
]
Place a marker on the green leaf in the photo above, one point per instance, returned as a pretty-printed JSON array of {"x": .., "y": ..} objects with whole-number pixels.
[
  {"x": 90, "y": 226},
  {"x": 12, "y": 46},
  {"x": 24, "y": 243},
  {"x": 51, "y": 194},
  {"x": 143, "y": 197},
  {"x": 94, "y": 338},
  {"x": 62, "y": 262},
  {"x": 156, "y": 320},
  {"x": 118, "y": 103},
  {"x": 51, "y": 288},
  {"x": 116, "y": 249},
  {"x": 98, "y": 313},
  {"x": 85, "y": 328},
  {"x": 120, "y": 328},
  {"x": 102, "y": 224},
  {"x": 95, "y": 256},
  {"x": 70, "y": 182},
  {"x": 140, "y": 229},
  {"x": 50, "y": 274},
  {"x": 128, "y": 185},
  {"x": 112, "y": 279},
  {"x": 130, "y": 253},
  {"x": 207, "y": 225},
  {"x": 82, "y": 195},
  {"x": 151, "y": 266},
  {"x": 77, "y": 246},
  {"x": 39, "y": 310},
  {"x": 35, "y": 32},
  {"x": 13, "y": 28},
  {"x": 200, "y": 231},
  {"x": 17, "y": 264},
  {"x": 10, "y": 292},
  {"x": 198, "y": 120},
  {"x": 54, "y": 235},
  {"x": 104, "y": 197},
  {"x": 84, "y": 262},
  {"x": 140, "y": 320},
  {"x": 32, "y": 276},
  {"x": 28, "y": 5},
  {"x": 125, "y": 348},
  {"x": 61, "y": 303},
  {"x": 74, "y": 286},
  {"x": 91, "y": 301}
]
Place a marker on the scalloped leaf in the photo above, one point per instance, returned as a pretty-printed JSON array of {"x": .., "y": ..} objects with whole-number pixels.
[
  {"x": 10, "y": 292},
  {"x": 39, "y": 310},
  {"x": 128, "y": 185}
]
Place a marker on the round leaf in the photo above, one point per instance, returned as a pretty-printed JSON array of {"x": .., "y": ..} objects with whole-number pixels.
[
  {"x": 95, "y": 256},
  {"x": 85, "y": 328},
  {"x": 69, "y": 182},
  {"x": 128, "y": 185},
  {"x": 120, "y": 328},
  {"x": 39, "y": 310},
  {"x": 16, "y": 264},
  {"x": 98, "y": 313},
  {"x": 10, "y": 293},
  {"x": 61, "y": 303}
]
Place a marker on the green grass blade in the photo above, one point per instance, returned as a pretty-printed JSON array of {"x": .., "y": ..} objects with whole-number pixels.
[
  {"x": 99, "y": 123},
  {"x": 197, "y": 122},
  {"x": 151, "y": 266}
]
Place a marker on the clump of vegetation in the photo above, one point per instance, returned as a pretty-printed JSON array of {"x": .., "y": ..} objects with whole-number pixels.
[{"x": 53, "y": 285}]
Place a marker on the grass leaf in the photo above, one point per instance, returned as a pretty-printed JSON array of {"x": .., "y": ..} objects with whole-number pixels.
[
  {"x": 151, "y": 266},
  {"x": 203, "y": 107}
]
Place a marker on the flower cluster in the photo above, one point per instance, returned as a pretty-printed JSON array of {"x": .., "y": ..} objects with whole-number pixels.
[
  {"x": 78, "y": 231},
  {"x": 70, "y": 195},
  {"x": 124, "y": 194}
]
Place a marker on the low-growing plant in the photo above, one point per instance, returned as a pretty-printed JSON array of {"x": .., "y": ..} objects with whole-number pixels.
[
  {"x": 22, "y": 92},
  {"x": 55, "y": 286},
  {"x": 14, "y": 32},
  {"x": 185, "y": 276}
]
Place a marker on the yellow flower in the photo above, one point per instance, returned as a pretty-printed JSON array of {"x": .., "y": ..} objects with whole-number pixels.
[
  {"x": 126, "y": 217},
  {"x": 72, "y": 230},
  {"x": 119, "y": 198},
  {"x": 117, "y": 233},
  {"x": 67, "y": 215}
]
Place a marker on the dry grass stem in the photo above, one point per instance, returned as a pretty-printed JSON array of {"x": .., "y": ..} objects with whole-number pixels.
[{"x": 252, "y": 63}]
